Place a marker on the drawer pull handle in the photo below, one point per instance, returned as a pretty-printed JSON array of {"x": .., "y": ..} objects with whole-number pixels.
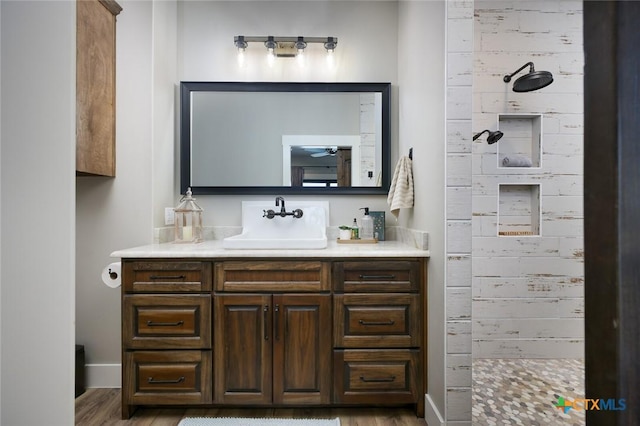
[
  {"x": 378, "y": 379},
  {"x": 165, "y": 382},
  {"x": 277, "y": 320},
  {"x": 167, "y": 277},
  {"x": 391, "y": 322},
  {"x": 377, "y": 277},
  {"x": 164, "y": 324},
  {"x": 265, "y": 313}
]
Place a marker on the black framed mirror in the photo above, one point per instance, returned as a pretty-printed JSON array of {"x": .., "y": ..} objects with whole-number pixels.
[{"x": 285, "y": 138}]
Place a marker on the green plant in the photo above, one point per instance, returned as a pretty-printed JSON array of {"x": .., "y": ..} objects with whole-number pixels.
[{"x": 344, "y": 227}]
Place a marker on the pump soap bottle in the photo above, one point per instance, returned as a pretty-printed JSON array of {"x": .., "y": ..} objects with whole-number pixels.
[
  {"x": 354, "y": 230},
  {"x": 366, "y": 225}
]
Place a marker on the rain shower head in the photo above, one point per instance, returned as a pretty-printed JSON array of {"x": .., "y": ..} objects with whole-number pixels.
[
  {"x": 531, "y": 81},
  {"x": 492, "y": 138}
]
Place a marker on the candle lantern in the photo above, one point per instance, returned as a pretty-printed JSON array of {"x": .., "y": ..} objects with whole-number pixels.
[{"x": 188, "y": 220}]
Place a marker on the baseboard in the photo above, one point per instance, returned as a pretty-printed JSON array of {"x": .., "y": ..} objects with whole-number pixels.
[
  {"x": 431, "y": 413},
  {"x": 103, "y": 376}
]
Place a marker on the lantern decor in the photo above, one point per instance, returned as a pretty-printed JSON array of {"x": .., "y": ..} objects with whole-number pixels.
[{"x": 188, "y": 220}]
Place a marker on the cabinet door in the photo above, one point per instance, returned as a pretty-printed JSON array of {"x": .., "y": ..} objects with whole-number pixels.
[
  {"x": 95, "y": 87},
  {"x": 243, "y": 359},
  {"x": 302, "y": 349}
]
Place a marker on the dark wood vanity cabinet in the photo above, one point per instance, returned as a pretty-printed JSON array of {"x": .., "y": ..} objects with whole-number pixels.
[
  {"x": 272, "y": 349},
  {"x": 273, "y": 332}
]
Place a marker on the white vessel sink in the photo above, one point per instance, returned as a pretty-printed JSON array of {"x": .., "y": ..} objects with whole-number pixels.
[{"x": 258, "y": 232}]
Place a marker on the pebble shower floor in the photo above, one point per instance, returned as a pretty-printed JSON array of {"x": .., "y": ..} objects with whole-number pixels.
[{"x": 526, "y": 391}]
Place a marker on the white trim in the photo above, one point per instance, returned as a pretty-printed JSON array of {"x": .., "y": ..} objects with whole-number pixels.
[
  {"x": 431, "y": 414},
  {"x": 103, "y": 376}
]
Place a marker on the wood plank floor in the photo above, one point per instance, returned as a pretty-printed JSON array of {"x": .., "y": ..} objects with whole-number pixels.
[{"x": 102, "y": 407}]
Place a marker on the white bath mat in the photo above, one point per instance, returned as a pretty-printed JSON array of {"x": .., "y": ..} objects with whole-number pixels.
[{"x": 237, "y": 421}]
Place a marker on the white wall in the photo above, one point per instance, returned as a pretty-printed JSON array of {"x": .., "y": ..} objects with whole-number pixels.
[
  {"x": 528, "y": 296},
  {"x": 38, "y": 215},
  {"x": 367, "y": 50},
  {"x": 121, "y": 212},
  {"x": 114, "y": 213},
  {"x": 421, "y": 93}
]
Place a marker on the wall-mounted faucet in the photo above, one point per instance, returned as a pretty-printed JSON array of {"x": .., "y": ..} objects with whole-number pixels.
[{"x": 270, "y": 214}]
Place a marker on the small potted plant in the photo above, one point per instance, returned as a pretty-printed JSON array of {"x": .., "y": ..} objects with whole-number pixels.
[{"x": 345, "y": 232}]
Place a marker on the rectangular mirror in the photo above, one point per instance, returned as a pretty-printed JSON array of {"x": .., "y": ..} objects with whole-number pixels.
[{"x": 285, "y": 138}]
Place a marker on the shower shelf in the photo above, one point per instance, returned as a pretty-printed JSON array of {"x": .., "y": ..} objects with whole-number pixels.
[
  {"x": 519, "y": 210},
  {"x": 522, "y": 141}
]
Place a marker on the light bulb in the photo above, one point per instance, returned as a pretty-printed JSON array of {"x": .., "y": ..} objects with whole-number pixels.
[
  {"x": 330, "y": 58},
  {"x": 241, "y": 58},
  {"x": 271, "y": 57},
  {"x": 300, "y": 57}
]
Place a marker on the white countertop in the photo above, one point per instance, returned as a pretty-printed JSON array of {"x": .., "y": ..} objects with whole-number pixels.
[{"x": 214, "y": 249}]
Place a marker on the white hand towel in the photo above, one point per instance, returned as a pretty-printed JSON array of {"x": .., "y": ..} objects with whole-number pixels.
[{"x": 401, "y": 190}]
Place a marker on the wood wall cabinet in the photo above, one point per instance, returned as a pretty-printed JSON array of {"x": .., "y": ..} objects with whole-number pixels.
[
  {"x": 96, "y": 87},
  {"x": 281, "y": 332}
]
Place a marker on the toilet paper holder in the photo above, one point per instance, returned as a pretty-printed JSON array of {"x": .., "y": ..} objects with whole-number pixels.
[{"x": 113, "y": 275}]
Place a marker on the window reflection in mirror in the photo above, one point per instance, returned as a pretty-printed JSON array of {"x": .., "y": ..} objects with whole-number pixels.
[{"x": 247, "y": 137}]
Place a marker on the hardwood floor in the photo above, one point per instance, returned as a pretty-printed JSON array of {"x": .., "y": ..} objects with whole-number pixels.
[{"x": 102, "y": 407}]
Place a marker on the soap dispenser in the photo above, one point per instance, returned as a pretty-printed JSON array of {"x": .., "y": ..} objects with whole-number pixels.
[
  {"x": 354, "y": 230},
  {"x": 366, "y": 225}
]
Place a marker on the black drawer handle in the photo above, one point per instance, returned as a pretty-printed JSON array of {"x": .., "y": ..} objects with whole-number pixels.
[
  {"x": 378, "y": 379},
  {"x": 165, "y": 382},
  {"x": 391, "y": 322},
  {"x": 164, "y": 324},
  {"x": 377, "y": 277},
  {"x": 167, "y": 277},
  {"x": 265, "y": 313}
]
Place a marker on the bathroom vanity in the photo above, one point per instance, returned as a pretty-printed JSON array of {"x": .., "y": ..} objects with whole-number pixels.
[{"x": 205, "y": 326}]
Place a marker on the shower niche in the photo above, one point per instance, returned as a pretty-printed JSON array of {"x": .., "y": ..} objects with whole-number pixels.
[
  {"x": 521, "y": 145},
  {"x": 518, "y": 210}
]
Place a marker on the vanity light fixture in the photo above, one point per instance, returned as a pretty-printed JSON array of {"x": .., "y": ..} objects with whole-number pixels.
[
  {"x": 242, "y": 46},
  {"x": 331, "y": 44},
  {"x": 286, "y": 47}
]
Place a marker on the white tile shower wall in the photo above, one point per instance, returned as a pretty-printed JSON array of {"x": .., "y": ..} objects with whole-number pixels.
[
  {"x": 459, "y": 213},
  {"x": 528, "y": 291}
]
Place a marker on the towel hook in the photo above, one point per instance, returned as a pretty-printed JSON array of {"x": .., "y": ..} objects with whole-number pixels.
[{"x": 411, "y": 153}]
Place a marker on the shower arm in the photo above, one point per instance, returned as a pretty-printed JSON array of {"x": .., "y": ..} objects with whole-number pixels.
[
  {"x": 507, "y": 78},
  {"x": 477, "y": 135}
]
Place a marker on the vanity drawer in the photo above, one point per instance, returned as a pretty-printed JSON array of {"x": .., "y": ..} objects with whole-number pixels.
[
  {"x": 273, "y": 276},
  {"x": 166, "y": 321},
  {"x": 167, "y": 377},
  {"x": 166, "y": 276},
  {"x": 380, "y": 376},
  {"x": 395, "y": 276},
  {"x": 376, "y": 320}
]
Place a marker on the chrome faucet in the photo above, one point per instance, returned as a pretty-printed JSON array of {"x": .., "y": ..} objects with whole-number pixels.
[{"x": 270, "y": 214}]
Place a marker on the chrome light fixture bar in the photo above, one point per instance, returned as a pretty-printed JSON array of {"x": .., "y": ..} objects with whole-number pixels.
[{"x": 285, "y": 47}]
